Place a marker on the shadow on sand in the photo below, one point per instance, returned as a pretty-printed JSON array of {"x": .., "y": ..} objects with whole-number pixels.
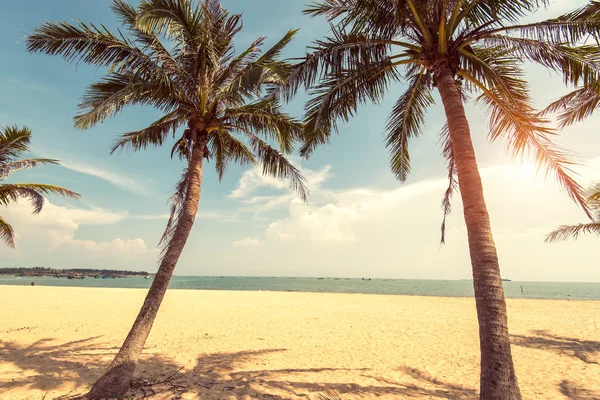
[
  {"x": 587, "y": 351},
  {"x": 46, "y": 366},
  {"x": 572, "y": 392}
]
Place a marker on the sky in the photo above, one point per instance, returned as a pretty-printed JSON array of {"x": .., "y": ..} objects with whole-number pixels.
[{"x": 358, "y": 222}]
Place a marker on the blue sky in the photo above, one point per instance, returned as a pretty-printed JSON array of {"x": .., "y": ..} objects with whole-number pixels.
[{"x": 359, "y": 220}]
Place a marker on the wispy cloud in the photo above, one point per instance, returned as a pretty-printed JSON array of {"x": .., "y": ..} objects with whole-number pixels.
[
  {"x": 223, "y": 216},
  {"x": 118, "y": 179}
]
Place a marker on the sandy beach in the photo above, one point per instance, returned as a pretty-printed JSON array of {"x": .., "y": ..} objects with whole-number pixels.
[{"x": 55, "y": 341}]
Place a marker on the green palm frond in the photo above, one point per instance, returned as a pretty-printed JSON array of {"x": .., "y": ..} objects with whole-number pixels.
[
  {"x": 565, "y": 232},
  {"x": 174, "y": 18},
  {"x": 154, "y": 135},
  {"x": 337, "y": 55},
  {"x": 227, "y": 149},
  {"x": 276, "y": 165},
  {"x": 338, "y": 96},
  {"x": 13, "y": 142},
  {"x": 266, "y": 117},
  {"x": 108, "y": 97},
  {"x": 87, "y": 43},
  {"x": 15, "y": 166},
  {"x": 7, "y": 234},
  {"x": 406, "y": 121},
  {"x": 33, "y": 191}
]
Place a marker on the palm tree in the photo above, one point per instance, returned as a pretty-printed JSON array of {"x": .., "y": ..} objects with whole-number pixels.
[
  {"x": 179, "y": 57},
  {"x": 14, "y": 142},
  {"x": 565, "y": 232},
  {"x": 460, "y": 48}
]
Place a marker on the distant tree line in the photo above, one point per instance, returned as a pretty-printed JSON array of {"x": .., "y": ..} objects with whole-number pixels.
[{"x": 79, "y": 271}]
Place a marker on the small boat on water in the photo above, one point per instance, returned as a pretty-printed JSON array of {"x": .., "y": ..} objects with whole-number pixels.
[{"x": 77, "y": 277}]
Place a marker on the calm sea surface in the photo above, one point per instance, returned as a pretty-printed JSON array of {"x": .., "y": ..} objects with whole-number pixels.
[{"x": 528, "y": 290}]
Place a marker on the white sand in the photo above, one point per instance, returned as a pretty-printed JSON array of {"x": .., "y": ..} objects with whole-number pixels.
[{"x": 246, "y": 345}]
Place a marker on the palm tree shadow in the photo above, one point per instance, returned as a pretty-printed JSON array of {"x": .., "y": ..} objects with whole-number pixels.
[
  {"x": 46, "y": 365},
  {"x": 218, "y": 376},
  {"x": 572, "y": 392},
  {"x": 587, "y": 351}
]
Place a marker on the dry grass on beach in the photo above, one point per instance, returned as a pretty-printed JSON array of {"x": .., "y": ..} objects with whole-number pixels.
[{"x": 56, "y": 341}]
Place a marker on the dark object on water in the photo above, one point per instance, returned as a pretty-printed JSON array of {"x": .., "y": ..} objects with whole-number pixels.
[
  {"x": 32, "y": 283},
  {"x": 506, "y": 280},
  {"x": 521, "y": 289},
  {"x": 145, "y": 277}
]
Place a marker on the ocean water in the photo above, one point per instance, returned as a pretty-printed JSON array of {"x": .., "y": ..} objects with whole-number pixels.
[{"x": 514, "y": 289}]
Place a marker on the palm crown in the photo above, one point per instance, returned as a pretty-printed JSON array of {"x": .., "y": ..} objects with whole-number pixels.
[
  {"x": 484, "y": 47},
  {"x": 179, "y": 57},
  {"x": 14, "y": 142}
]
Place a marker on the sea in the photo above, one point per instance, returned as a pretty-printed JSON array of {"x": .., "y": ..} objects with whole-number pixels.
[{"x": 410, "y": 287}]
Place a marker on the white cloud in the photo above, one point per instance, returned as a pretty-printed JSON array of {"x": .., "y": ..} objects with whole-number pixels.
[
  {"x": 247, "y": 242},
  {"x": 253, "y": 180},
  {"x": 54, "y": 230},
  {"x": 395, "y": 233}
]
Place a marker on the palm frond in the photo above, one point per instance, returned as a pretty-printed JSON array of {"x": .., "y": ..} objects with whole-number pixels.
[
  {"x": 13, "y": 142},
  {"x": 11, "y": 192},
  {"x": 336, "y": 55},
  {"x": 276, "y": 165},
  {"x": 154, "y": 135},
  {"x": 266, "y": 117},
  {"x": 338, "y": 96},
  {"x": 512, "y": 115},
  {"x": 88, "y": 44},
  {"x": 12, "y": 167},
  {"x": 577, "y": 64},
  {"x": 176, "y": 205},
  {"x": 565, "y": 232},
  {"x": 108, "y": 97},
  {"x": 226, "y": 149},
  {"x": 575, "y": 106},
  {"x": 7, "y": 234},
  {"x": 476, "y": 12},
  {"x": 452, "y": 179},
  {"x": 406, "y": 121},
  {"x": 176, "y": 19}
]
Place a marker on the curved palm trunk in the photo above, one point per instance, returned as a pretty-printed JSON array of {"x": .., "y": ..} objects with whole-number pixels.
[
  {"x": 117, "y": 379},
  {"x": 497, "y": 379}
]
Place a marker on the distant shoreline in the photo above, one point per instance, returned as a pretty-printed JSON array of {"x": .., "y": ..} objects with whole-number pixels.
[{"x": 427, "y": 288}]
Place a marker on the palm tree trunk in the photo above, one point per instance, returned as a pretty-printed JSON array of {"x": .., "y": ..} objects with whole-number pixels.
[
  {"x": 117, "y": 379},
  {"x": 497, "y": 380}
]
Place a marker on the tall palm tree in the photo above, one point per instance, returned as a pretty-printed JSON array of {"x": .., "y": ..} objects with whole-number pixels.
[
  {"x": 565, "y": 232},
  {"x": 460, "y": 48},
  {"x": 14, "y": 142},
  {"x": 179, "y": 57}
]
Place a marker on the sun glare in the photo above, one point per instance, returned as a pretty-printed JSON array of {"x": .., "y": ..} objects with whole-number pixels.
[{"x": 528, "y": 170}]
